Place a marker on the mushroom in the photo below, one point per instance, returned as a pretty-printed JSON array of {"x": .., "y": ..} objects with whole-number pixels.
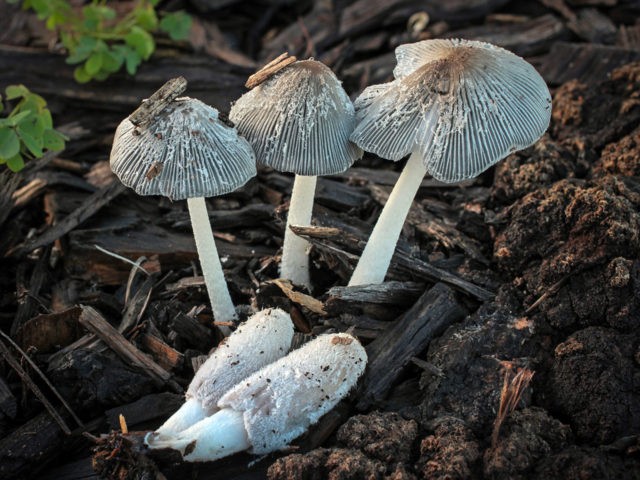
[
  {"x": 457, "y": 107},
  {"x": 271, "y": 408},
  {"x": 187, "y": 152},
  {"x": 299, "y": 121},
  {"x": 262, "y": 339}
]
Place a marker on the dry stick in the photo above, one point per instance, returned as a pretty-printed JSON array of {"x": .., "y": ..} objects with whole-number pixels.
[
  {"x": 44, "y": 378},
  {"x": 509, "y": 398},
  {"x": 6, "y": 353},
  {"x": 90, "y": 206},
  {"x": 157, "y": 102},
  {"x": 96, "y": 324}
]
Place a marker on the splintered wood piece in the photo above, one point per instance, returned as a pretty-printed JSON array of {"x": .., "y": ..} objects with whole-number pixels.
[
  {"x": 96, "y": 324},
  {"x": 157, "y": 102},
  {"x": 302, "y": 299},
  {"x": 269, "y": 70},
  {"x": 410, "y": 335},
  {"x": 92, "y": 204},
  {"x": 167, "y": 357}
]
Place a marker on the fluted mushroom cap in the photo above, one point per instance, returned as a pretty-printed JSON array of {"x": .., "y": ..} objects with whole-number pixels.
[
  {"x": 184, "y": 152},
  {"x": 299, "y": 121},
  {"x": 462, "y": 105},
  {"x": 283, "y": 399}
]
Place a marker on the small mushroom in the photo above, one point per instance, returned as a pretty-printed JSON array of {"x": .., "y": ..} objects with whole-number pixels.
[
  {"x": 299, "y": 121},
  {"x": 262, "y": 339},
  {"x": 457, "y": 107},
  {"x": 274, "y": 406},
  {"x": 187, "y": 152}
]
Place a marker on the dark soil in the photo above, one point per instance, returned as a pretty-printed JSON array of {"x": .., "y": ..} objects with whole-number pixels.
[{"x": 532, "y": 267}]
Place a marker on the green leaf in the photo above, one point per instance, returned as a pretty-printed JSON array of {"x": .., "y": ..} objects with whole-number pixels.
[
  {"x": 9, "y": 143},
  {"x": 82, "y": 50},
  {"x": 112, "y": 60},
  {"x": 16, "y": 91},
  {"x": 14, "y": 120},
  {"x": 53, "y": 140},
  {"x": 15, "y": 163},
  {"x": 33, "y": 143},
  {"x": 141, "y": 41},
  {"x": 93, "y": 64},
  {"x": 146, "y": 18},
  {"x": 45, "y": 120},
  {"x": 177, "y": 25},
  {"x": 132, "y": 61},
  {"x": 81, "y": 75}
]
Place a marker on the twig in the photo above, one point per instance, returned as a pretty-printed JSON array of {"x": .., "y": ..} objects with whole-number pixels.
[
  {"x": 269, "y": 70},
  {"x": 6, "y": 353},
  {"x": 157, "y": 102},
  {"x": 553, "y": 289},
  {"x": 136, "y": 264},
  {"x": 44, "y": 378}
]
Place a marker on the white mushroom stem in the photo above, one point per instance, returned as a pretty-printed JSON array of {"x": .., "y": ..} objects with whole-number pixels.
[
  {"x": 295, "y": 258},
  {"x": 221, "y": 304},
  {"x": 376, "y": 257},
  {"x": 217, "y": 436}
]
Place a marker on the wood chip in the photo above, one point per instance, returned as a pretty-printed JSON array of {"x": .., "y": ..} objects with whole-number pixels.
[
  {"x": 158, "y": 101},
  {"x": 307, "y": 301},
  {"x": 269, "y": 70}
]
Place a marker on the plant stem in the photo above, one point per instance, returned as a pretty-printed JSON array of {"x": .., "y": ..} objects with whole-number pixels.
[
  {"x": 376, "y": 257},
  {"x": 295, "y": 260},
  {"x": 221, "y": 304}
]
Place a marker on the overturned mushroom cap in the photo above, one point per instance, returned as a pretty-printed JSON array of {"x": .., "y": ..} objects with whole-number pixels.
[
  {"x": 282, "y": 400},
  {"x": 299, "y": 121},
  {"x": 262, "y": 339},
  {"x": 462, "y": 105},
  {"x": 184, "y": 152}
]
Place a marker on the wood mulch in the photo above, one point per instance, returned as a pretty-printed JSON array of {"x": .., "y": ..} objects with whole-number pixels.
[{"x": 504, "y": 343}]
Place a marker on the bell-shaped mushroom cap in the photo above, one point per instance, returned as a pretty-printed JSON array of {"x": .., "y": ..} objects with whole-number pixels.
[
  {"x": 299, "y": 121},
  {"x": 184, "y": 152},
  {"x": 462, "y": 105},
  {"x": 283, "y": 399},
  {"x": 262, "y": 339}
]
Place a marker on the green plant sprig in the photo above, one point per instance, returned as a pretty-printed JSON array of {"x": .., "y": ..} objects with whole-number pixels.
[
  {"x": 100, "y": 42},
  {"x": 28, "y": 129}
]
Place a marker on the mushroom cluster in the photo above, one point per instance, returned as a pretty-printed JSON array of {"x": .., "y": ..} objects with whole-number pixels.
[{"x": 456, "y": 107}]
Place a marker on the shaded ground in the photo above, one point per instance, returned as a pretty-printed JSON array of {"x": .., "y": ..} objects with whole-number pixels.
[{"x": 535, "y": 265}]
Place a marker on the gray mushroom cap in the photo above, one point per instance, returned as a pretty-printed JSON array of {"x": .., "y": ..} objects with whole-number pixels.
[
  {"x": 299, "y": 121},
  {"x": 461, "y": 105},
  {"x": 184, "y": 152}
]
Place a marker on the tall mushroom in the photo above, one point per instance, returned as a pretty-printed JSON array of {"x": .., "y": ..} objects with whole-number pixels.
[
  {"x": 299, "y": 121},
  {"x": 457, "y": 107},
  {"x": 184, "y": 151}
]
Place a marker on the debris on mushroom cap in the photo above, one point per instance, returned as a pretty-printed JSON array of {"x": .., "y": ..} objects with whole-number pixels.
[
  {"x": 299, "y": 120},
  {"x": 262, "y": 339},
  {"x": 184, "y": 152},
  {"x": 462, "y": 105},
  {"x": 283, "y": 399}
]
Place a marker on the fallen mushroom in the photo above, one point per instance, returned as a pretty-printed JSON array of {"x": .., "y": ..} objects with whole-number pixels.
[
  {"x": 186, "y": 152},
  {"x": 299, "y": 121},
  {"x": 275, "y": 405},
  {"x": 262, "y": 339},
  {"x": 457, "y": 107}
]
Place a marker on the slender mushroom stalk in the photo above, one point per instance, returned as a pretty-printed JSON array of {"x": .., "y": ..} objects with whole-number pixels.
[
  {"x": 295, "y": 264},
  {"x": 184, "y": 151},
  {"x": 274, "y": 406},
  {"x": 299, "y": 121},
  {"x": 264, "y": 338},
  {"x": 376, "y": 256},
  {"x": 458, "y": 107},
  {"x": 221, "y": 303}
]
